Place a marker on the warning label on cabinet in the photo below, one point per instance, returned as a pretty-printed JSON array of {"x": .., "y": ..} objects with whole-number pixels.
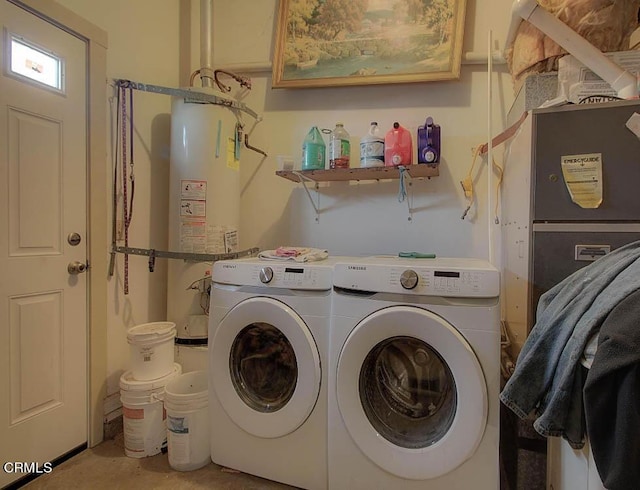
[{"x": 583, "y": 177}]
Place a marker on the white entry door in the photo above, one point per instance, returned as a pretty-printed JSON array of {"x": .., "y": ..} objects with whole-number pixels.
[{"x": 43, "y": 227}]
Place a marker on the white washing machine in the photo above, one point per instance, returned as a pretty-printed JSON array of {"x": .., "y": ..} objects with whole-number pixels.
[
  {"x": 268, "y": 346},
  {"x": 414, "y": 375}
]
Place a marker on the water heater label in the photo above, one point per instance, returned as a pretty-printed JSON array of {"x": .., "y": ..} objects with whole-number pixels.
[
  {"x": 193, "y": 237},
  {"x": 221, "y": 239},
  {"x": 193, "y": 189},
  {"x": 193, "y": 209},
  {"x": 231, "y": 241}
]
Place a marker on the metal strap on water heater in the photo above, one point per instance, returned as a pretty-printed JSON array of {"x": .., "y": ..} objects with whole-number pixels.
[
  {"x": 189, "y": 96},
  {"x": 186, "y": 256}
]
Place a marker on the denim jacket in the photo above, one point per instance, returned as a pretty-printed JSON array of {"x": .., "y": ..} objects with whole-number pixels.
[{"x": 545, "y": 380}]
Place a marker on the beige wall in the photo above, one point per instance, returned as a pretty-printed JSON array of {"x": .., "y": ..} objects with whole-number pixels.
[
  {"x": 143, "y": 46},
  {"x": 365, "y": 218}
]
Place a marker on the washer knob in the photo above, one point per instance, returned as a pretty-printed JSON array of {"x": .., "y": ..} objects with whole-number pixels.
[
  {"x": 266, "y": 274},
  {"x": 409, "y": 279}
]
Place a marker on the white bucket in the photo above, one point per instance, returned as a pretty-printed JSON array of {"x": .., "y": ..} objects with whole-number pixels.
[
  {"x": 192, "y": 357},
  {"x": 143, "y": 414},
  {"x": 187, "y": 405},
  {"x": 151, "y": 346}
]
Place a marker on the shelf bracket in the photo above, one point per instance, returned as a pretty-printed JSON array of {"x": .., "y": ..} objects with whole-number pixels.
[{"x": 303, "y": 179}]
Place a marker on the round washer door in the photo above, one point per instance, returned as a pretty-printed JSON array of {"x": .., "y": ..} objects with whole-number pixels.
[
  {"x": 265, "y": 367},
  {"x": 411, "y": 392}
]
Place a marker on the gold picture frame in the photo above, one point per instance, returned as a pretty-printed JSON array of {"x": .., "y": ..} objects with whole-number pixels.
[{"x": 325, "y": 43}]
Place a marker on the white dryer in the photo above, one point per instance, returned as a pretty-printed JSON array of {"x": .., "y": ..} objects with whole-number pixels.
[
  {"x": 268, "y": 345},
  {"x": 414, "y": 375}
]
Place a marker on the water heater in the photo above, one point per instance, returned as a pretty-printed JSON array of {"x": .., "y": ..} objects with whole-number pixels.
[{"x": 204, "y": 204}]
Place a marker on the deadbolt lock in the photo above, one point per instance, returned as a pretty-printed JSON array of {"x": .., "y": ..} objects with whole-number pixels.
[{"x": 74, "y": 239}]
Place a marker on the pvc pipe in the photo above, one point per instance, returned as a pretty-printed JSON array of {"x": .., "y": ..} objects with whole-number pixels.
[
  {"x": 475, "y": 58},
  {"x": 206, "y": 42},
  {"x": 520, "y": 9},
  {"x": 489, "y": 151},
  {"x": 620, "y": 80}
]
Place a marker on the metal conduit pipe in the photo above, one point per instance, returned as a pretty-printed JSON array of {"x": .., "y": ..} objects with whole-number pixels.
[{"x": 468, "y": 58}]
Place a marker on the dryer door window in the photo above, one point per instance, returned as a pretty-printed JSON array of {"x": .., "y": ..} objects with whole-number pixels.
[
  {"x": 263, "y": 365},
  {"x": 411, "y": 392},
  {"x": 408, "y": 392}
]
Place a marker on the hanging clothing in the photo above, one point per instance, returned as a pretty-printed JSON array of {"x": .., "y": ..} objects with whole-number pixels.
[
  {"x": 544, "y": 381},
  {"x": 612, "y": 397}
]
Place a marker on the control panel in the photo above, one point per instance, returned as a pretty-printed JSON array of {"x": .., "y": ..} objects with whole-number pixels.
[
  {"x": 437, "y": 282},
  {"x": 276, "y": 275},
  {"x": 420, "y": 280}
]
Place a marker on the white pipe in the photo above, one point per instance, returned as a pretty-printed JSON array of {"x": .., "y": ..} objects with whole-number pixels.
[
  {"x": 206, "y": 42},
  {"x": 474, "y": 58},
  {"x": 519, "y": 10},
  {"x": 620, "y": 80},
  {"x": 489, "y": 152},
  {"x": 468, "y": 58}
]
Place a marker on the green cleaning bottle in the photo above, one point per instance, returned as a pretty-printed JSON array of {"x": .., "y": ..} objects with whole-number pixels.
[{"x": 313, "y": 150}]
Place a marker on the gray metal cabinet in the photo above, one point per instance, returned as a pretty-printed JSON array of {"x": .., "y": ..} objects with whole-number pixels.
[
  {"x": 586, "y": 129},
  {"x": 547, "y": 236}
]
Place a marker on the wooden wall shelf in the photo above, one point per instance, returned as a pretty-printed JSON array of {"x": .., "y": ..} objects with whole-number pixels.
[{"x": 346, "y": 174}]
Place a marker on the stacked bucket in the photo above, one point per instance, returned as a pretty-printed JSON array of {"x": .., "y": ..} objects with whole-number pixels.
[
  {"x": 142, "y": 388},
  {"x": 187, "y": 405},
  {"x": 159, "y": 401}
]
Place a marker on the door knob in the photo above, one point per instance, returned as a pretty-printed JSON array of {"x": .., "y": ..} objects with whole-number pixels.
[{"x": 76, "y": 267}]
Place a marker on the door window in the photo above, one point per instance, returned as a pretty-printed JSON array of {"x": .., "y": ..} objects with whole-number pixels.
[
  {"x": 407, "y": 392},
  {"x": 263, "y": 366},
  {"x": 26, "y": 60}
]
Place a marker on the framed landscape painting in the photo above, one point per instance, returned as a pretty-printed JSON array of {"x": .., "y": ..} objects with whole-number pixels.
[{"x": 323, "y": 43}]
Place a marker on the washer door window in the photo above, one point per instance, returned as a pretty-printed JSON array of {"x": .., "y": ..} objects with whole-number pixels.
[
  {"x": 265, "y": 367},
  {"x": 408, "y": 392},
  {"x": 411, "y": 392}
]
